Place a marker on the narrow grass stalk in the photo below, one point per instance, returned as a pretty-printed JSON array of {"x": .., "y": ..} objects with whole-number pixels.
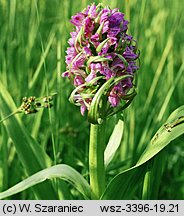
[
  {"x": 5, "y": 167},
  {"x": 8, "y": 116},
  {"x": 146, "y": 191},
  {"x": 96, "y": 160}
]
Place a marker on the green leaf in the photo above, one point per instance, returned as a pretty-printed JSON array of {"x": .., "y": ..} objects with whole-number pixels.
[
  {"x": 114, "y": 142},
  {"x": 37, "y": 73},
  {"x": 97, "y": 59},
  {"x": 94, "y": 114},
  {"x": 61, "y": 171},
  {"x": 124, "y": 184},
  {"x": 97, "y": 113},
  {"x": 100, "y": 28},
  {"x": 79, "y": 38},
  {"x": 100, "y": 46},
  {"x": 123, "y": 59},
  {"x": 173, "y": 128},
  {"x": 29, "y": 151}
]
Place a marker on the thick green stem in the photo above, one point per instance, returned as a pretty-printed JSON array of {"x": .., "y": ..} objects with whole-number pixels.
[{"x": 96, "y": 160}]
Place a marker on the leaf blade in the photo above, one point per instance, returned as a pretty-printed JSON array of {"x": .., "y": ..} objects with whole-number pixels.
[
  {"x": 136, "y": 173},
  {"x": 29, "y": 151},
  {"x": 61, "y": 171},
  {"x": 114, "y": 142}
]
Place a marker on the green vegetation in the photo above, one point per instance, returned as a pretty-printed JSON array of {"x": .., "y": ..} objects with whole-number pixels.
[{"x": 33, "y": 40}]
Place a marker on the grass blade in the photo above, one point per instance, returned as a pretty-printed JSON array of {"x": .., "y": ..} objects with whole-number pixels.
[
  {"x": 61, "y": 171},
  {"x": 170, "y": 92},
  {"x": 114, "y": 142},
  {"x": 30, "y": 153},
  {"x": 124, "y": 184},
  {"x": 159, "y": 70}
]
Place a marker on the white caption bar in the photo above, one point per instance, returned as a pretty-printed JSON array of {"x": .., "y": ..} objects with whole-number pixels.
[{"x": 87, "y": 207}]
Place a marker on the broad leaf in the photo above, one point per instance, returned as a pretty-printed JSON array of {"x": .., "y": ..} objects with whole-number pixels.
[
  {"x": 124, "y": 184},
  {"x": 61, "y": 171},
  {"x": 114, "y": 142},
  {"x": 173, "y": 128}
]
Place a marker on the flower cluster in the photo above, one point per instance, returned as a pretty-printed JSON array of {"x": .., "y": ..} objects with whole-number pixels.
[
  {"x": 32, "y": 104},
  {"x": 100, "y": 49}
]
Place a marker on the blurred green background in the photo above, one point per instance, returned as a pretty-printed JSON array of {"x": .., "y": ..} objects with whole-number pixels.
[{"x": 33, "y": 40}]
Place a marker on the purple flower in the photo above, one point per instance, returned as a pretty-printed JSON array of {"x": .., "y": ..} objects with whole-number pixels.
[
  {"x": 82, "y": 108},
  {"x": 95, "y": 40},
  {"x": 115, "y": 95},
  {"x": 96, "y": 67},
  {"x": 105, "y": 15},
  {"x": 79, "y": 62},
  {"x": 77, "y": 20},
  {"x": 129, "y": 53},
  {"x": 87, "y": 51},
  {"x": 115, "y": 19},
  {"x": 91, "y": 76},
  {"x": 78, "y": 80},
  {"x": 100, "y": 49},
  {"x": 92, "y": 11},
  {"x": 88, "y": 27},
  {"x": 71, "y": 54}
]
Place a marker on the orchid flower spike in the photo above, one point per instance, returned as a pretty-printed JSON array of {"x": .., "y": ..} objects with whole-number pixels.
[{"x": 101, "y": 62}]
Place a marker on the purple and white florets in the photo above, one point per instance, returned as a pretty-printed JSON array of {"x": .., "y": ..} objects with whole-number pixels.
[{"x": 100, "y": 46}]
